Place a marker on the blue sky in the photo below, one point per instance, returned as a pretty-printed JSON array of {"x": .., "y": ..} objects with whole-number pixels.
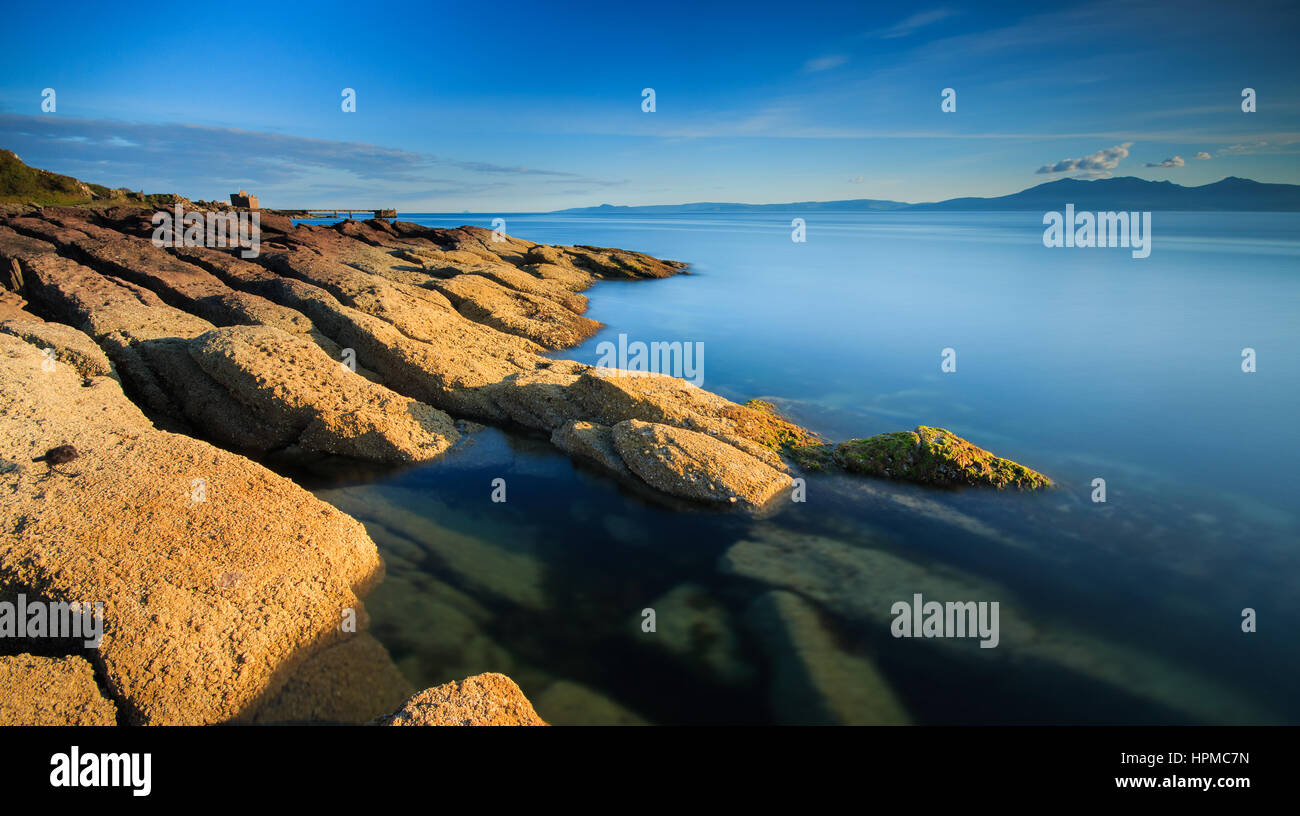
[{"x": 529, "y": 106}]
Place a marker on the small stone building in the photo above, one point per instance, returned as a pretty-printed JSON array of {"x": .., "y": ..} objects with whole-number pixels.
[{"x": 243, "y": 199}]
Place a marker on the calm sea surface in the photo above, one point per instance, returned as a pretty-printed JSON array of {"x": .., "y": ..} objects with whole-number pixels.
[{"x": 1080, "y": 363}]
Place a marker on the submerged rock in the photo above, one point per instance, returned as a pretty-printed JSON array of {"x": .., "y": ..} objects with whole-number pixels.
[
  {"x": 491, "y": 560},
  {"x": 861, "y": 585},
  {"x": 696, "y": 628},
  {"x": 484, "y": 699},
  {"x": 565, "y": 702},
  {"x": 813, "y": 680}
]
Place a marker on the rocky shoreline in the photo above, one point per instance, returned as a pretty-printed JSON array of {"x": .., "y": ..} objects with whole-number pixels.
[{"x": 229, "y": 592}]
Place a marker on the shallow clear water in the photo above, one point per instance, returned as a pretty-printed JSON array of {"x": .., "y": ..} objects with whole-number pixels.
[{"x": 1081, "y": 363}]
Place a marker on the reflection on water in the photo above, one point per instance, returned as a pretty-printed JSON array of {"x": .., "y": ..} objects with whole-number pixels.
[{"x": 1122, "y": 612}]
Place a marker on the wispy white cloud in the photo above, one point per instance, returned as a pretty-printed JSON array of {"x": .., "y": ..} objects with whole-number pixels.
[
  {"x": 201, "y": 160},
  {"x": 1103, "y": 161},
  {"x": 825, "y": 63},
  {"x": 1244, "y": 149},
  {"x": 915, "y": 23},
  {"x": 1173, "y": 161}
]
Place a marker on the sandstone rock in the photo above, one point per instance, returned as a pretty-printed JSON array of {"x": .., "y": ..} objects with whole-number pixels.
[
  {"x": 512, "y": 278},
  {"x": 354, "y": 287},
  {"x": 485, "y": 699},
  {"x": 604, "y": 262},
  {"x": 595, "y": 443},
  {"x": 352, "y": 682},
  {"x": 194, "y": 403},
  {"x": 208, "y": 605},
  {"x": 575, "y": 280},
  {"x": 70, "y": 346},
  {"x": 100, "y": 304},
  {"x": 12, "y": 307},
  {"x": 695, "y": 465},
  {"x": 610, "y": 396},
  {"x": 439, "y": 263},
  {"x": 433, "y": 354},
  {"x": 534, "y": 317},
  {"x": 487, "y": 244},
  {"x": 288, "y": 382},
  {"x": 72, "y": 218},
  {"x": 181, "y": 284},
  {"x": 419, "y": 313},
  {"x": 813, "y": 681},
  {"x": 413, "y": 234},
  {"x": 51, "y": 691},
  {"x": 375, "y": 231},
  {"x": 116, "y": 313},
  {"x": 37, "y": 228},
  {"x": 142, "y": 333},
  {"x": 455, "y": 374},
  {"x": 540, "y": 398}
]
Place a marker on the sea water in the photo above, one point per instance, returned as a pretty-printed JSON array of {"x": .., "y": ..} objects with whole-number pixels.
[{"x": 1086, "y": 364}]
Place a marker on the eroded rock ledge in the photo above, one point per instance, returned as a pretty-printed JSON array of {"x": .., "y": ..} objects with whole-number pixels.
[
  {"x": 436, "y": 325},
  {"x": 224, "y": 585}
]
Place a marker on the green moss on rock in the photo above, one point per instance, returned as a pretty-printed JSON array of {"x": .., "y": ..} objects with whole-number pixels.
[
  {"x": 814, "y": 458},
  {"x": 934, "y": 456},
  {"x": 760, "y": 421}
]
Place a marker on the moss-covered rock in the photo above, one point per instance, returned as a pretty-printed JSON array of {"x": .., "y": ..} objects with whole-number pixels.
[
  {"x": 814, "y": 458},
  {"x": 765, "y": 425},
  {"x": 934, "y": 456}
]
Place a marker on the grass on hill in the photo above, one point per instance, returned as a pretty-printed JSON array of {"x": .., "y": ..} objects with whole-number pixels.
[{"x": 20, "y": 184}]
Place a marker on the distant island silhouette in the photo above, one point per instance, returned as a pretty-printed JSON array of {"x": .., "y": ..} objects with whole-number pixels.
[{"x": 1128, "y": 192}]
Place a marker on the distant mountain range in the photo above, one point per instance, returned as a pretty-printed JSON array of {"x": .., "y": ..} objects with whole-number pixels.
[
  {"x": 22, "y": 184},
  {"x": 852, "y": 205},
  {"x": 1126, "y": 193}
]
